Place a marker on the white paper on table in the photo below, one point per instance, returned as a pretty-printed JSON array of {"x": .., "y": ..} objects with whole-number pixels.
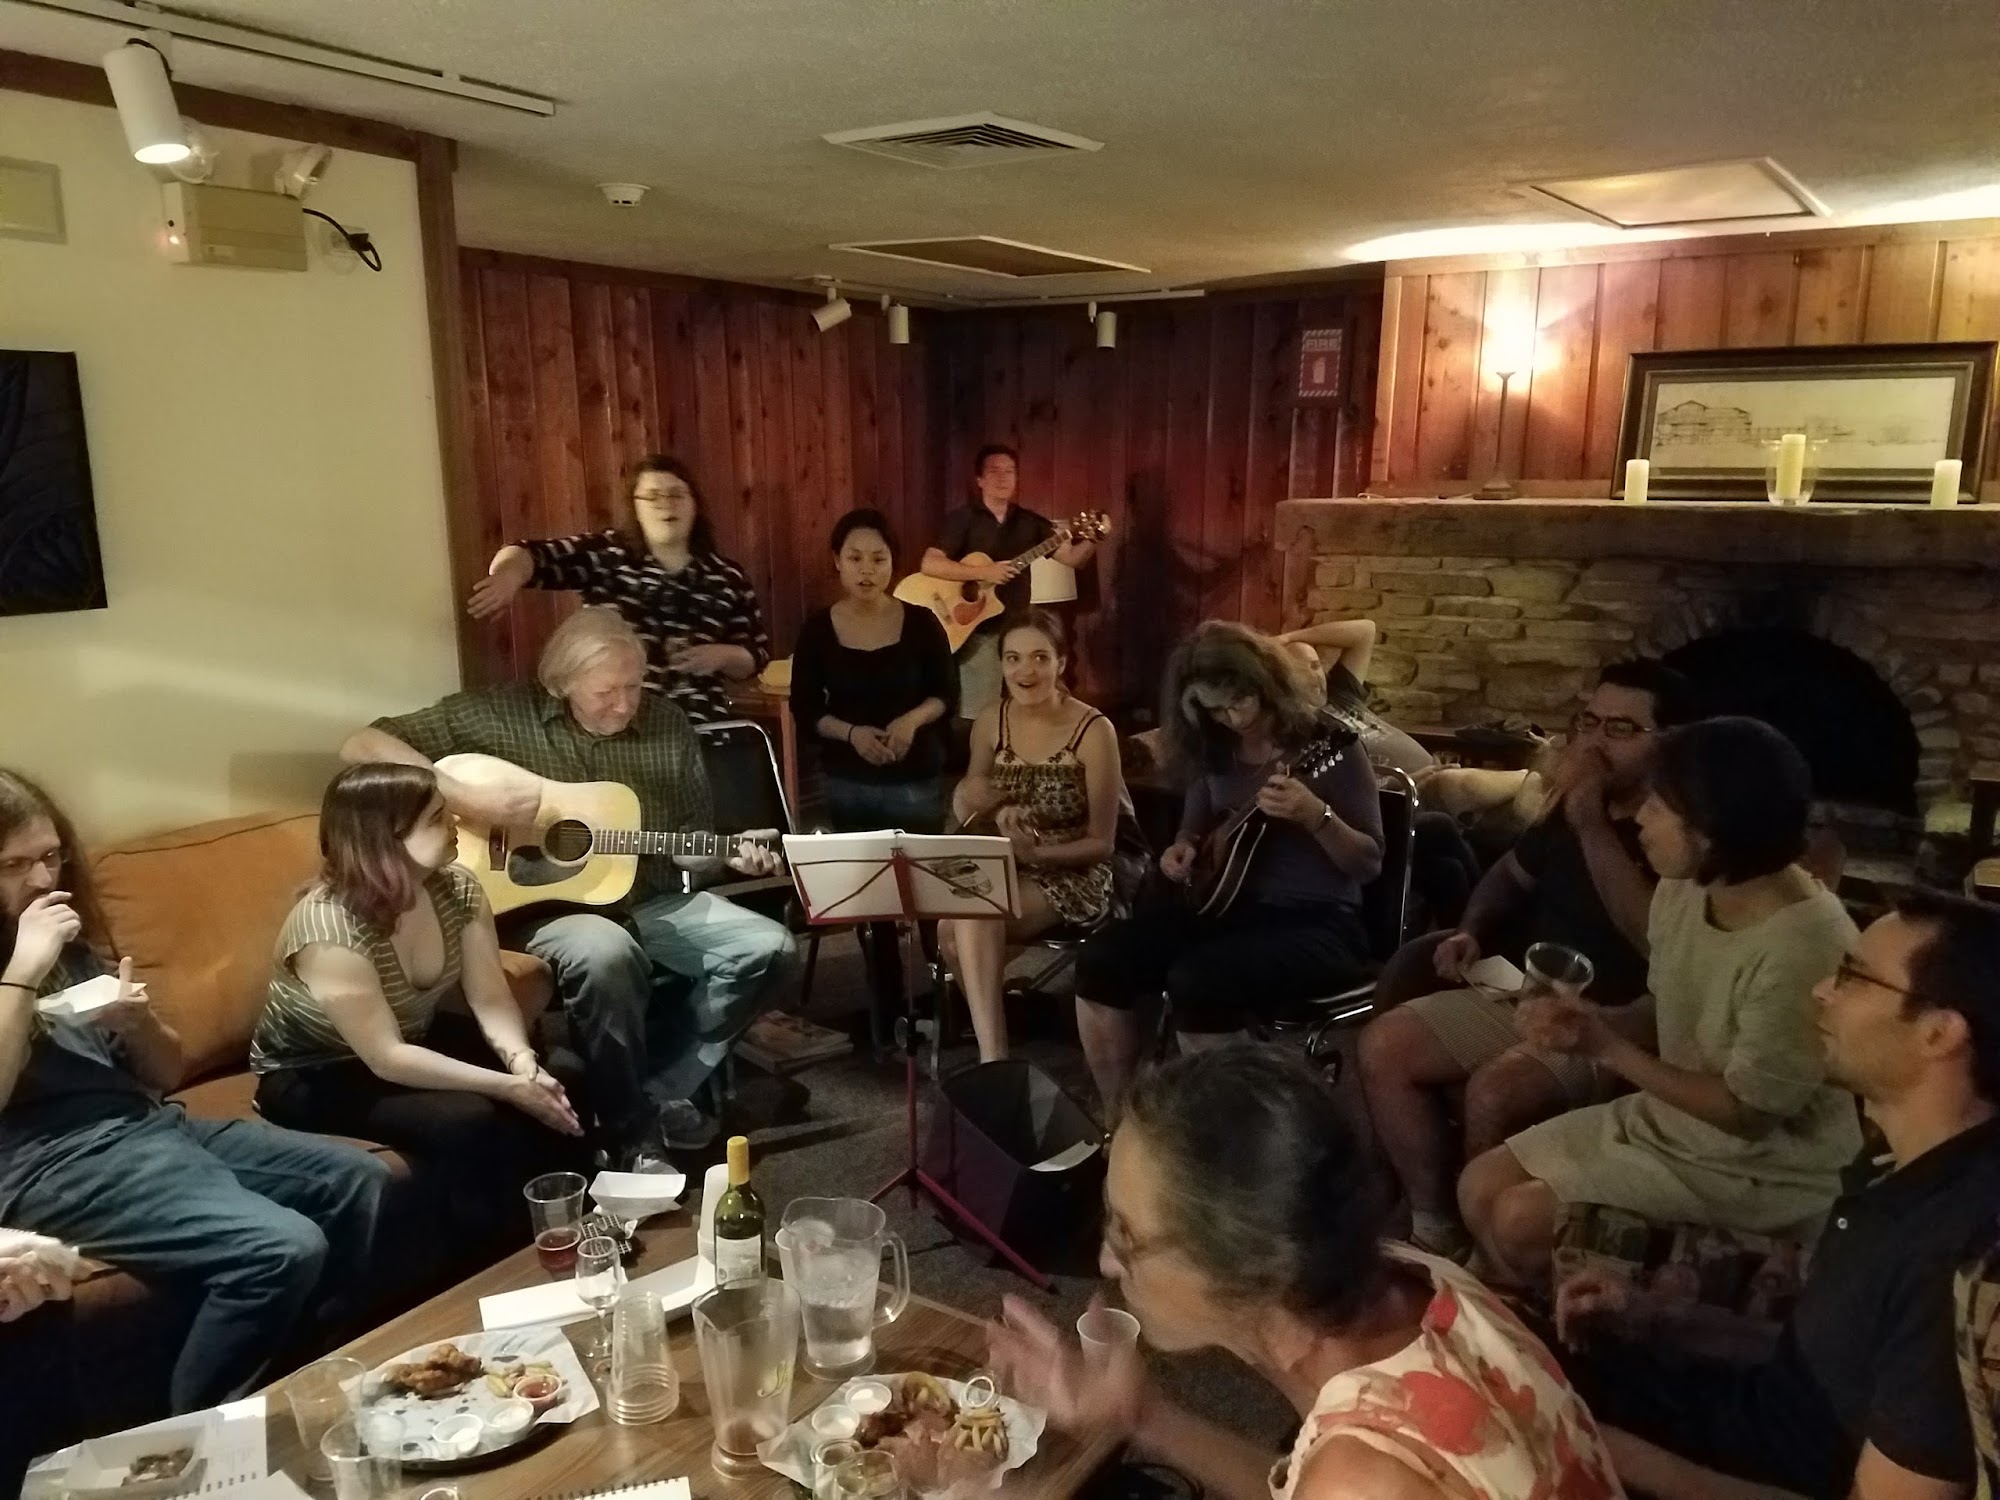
[
  {"x": 235, "y": 1454},
  {"x": 677, "y": 1286},
  {"x": 81, "y": 1000},
  {"x": 1496, "y": 974},
  {"x": 555, "y": 1303}
]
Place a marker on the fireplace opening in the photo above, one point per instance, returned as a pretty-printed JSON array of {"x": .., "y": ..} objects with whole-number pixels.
[{"x": 1851, "y": 727}]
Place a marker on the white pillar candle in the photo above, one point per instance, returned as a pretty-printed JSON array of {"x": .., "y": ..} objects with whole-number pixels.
[
  {"x": 1791, "y": 466},
  {"x": 1944, "y": 481},
  {"x": 1638, "y": 474}
]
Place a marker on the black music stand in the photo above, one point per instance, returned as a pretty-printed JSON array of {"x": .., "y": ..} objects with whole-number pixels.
[{"x": 904, "y": 878}]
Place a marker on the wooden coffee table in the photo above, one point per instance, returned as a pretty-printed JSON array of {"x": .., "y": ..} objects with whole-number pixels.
[{"x": 594, "y": 1453}]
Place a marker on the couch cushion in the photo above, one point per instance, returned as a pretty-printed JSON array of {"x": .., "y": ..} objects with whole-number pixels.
[{"x": 198, "y": 910}]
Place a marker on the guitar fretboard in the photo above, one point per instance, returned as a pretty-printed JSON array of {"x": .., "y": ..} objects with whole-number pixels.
[{"x": 641, "y": 841}]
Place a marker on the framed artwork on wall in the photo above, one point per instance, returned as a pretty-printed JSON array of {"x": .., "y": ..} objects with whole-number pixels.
[
  {"x": 49, "y": 558},
  {"x": 1884, "y": 414}
]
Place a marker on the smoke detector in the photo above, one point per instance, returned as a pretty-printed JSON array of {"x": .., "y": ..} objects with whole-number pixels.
[{"x": 622, "y": 194}]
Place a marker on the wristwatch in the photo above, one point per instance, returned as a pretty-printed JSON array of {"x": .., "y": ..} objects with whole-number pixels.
[{"x": 1325, "y": 816}]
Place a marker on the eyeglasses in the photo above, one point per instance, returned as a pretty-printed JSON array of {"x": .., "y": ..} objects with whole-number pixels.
[
  {"x": 1850, "y": 972},
  {"x": 1617, "y": 727},
  {"x": 14, "y": 869}
]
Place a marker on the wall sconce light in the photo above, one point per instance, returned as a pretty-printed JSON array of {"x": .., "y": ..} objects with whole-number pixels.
[
  {"x": 144, "y": 95},
  {"x": 831, "y": 313}
]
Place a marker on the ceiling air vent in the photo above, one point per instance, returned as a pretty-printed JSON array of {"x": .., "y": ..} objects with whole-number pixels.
[{"x": 981, "y": 140}]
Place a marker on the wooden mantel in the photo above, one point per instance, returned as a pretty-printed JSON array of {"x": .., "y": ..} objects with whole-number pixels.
[{"x": 1861, "y": 536}]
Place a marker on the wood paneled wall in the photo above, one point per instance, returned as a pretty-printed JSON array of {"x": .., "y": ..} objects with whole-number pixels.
[
  {"x": 1439, "y": 420},
  {"x": 574, "y": 371},
  {"x": 1188, "y": 434}
]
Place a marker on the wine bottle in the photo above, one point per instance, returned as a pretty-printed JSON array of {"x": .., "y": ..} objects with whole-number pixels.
[{"x": 739, "y": 1223}]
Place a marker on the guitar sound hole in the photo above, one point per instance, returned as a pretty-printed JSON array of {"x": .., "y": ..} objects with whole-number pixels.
[
  {"x": 567, "y": 839},
  {"x": 528, "y": 866}
]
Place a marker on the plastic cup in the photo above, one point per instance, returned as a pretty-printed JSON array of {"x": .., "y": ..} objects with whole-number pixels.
[
  {"x": 1106, "y": 1331},
  {"x": 555, "y": 1210},
  {"x": 320, "y": 1395},
  {"x": 359, "y": 1470}
]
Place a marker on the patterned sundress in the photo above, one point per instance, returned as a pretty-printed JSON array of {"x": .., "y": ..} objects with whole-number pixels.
[
  {"x": 1056, "y": 793},
  {"x": 1474, "y": 1403}
]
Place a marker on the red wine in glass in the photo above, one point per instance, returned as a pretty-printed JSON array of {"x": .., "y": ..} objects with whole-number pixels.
[{"x": 556, "y": 1248}]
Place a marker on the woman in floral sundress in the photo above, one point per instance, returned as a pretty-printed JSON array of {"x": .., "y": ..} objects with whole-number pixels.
[
  {"x": 1044, "y": 774},
  {"x": 1242, "y": 1213}
]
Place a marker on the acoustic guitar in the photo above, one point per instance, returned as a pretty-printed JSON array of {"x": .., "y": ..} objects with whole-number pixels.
[
  {"x": 1222, "y": 865},
  {"x": 963, "y": 607},
  {"x": 583, "y": 847}
]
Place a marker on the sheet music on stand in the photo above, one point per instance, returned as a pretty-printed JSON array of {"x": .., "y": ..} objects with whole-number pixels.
[{"x": 891, "y": 876}]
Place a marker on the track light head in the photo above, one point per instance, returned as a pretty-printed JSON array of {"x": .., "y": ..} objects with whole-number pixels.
[
  {"x": 144, "y": 95},
  {"x": 1106, "y": 324},
  {"x": 899, "y": 323},
  {"x": 831, "y": 313}
]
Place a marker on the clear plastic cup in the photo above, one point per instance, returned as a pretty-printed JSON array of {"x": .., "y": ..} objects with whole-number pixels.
[{"x": 320, "y": 1395}]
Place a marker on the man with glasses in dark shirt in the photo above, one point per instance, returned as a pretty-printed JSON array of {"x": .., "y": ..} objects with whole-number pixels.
[
  {"x": 1576, "y": 877},
  {"x": 1861, "y": 1398}
]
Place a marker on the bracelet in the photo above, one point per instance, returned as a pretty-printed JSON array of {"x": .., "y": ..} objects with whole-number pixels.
[
  {"x": 849, "y": 736},
  {"x": 15, "y": 984}
]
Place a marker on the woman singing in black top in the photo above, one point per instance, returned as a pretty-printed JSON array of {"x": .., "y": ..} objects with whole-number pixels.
[
  {"x": 694, "y": 608},
  {"x": 873, "y": 680}
]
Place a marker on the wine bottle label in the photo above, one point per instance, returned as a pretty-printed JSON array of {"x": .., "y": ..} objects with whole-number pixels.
[{"x": 738, "y": 1260}]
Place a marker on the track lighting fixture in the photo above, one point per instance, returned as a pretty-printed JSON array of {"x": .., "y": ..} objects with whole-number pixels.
[
  {"x": 899, "y": 320},
  {"x": 831, "y": 313},
  {"x": 1105, "y": 325},
  {"x": 144, "y": 95}
]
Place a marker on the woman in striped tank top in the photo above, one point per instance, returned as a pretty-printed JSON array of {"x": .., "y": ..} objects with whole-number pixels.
[{"x": 352, "y": 1040}]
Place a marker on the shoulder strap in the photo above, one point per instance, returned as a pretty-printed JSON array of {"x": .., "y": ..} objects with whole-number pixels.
[{"x": 1081, "y": 730}]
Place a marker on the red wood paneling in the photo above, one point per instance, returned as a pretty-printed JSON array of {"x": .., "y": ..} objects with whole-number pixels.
[
  {"x": 574, "y": 371},
  {"x": 1187, "y": 435},
  {"x": 1437, "y": 423}
]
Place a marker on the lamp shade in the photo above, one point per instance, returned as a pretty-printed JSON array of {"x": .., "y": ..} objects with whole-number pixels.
[
  {"x": 145, "y": 99},
  {"x": 1051, "y": 582}
]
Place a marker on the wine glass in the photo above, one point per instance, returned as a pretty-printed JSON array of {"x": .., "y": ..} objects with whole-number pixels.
[{"x": 599, "y": 1274}]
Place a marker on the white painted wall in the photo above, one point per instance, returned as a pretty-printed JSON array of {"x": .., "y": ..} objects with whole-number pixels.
[{"x": 269, "y": 497}]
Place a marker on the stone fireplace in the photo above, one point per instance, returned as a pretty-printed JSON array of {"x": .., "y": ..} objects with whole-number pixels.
[{"x": 1870, "y": 633}]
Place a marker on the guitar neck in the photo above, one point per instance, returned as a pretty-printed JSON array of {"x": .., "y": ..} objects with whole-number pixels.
[
  {"x": 644, "y": 841},
  {"x": 1047, "y": 547}
]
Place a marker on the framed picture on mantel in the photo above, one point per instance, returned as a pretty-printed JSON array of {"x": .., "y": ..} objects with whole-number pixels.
[{"x": 1882, "y": 415}]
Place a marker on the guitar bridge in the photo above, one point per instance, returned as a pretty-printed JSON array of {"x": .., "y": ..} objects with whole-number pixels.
[{"x": 496, "y": 849}]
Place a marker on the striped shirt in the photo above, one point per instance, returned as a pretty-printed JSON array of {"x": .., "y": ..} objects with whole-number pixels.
[
  {"x": 296, "y": 1032},
  {"x": 656, "y": 755},
  {"x": 708, "y": 602}
]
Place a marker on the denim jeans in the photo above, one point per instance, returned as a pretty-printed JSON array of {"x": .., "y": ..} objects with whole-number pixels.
[
  {"x": 245, "y": 1218},
  {"x": 622, "y": 976}
]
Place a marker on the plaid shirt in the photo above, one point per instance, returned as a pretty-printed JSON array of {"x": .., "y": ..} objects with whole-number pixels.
[
  {"x": 656, "y": 755},
  {"x": 709, "y": 602}
]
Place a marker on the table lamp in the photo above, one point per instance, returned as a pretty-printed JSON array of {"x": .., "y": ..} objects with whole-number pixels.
[{"x": 1051, "y": 582}]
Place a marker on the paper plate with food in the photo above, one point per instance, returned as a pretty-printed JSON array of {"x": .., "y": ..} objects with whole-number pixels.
[
  {"x": 470, "y": 1401},
  {"x": 948, "y": 1437}
]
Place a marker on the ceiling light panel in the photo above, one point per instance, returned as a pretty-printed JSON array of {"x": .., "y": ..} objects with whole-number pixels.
[
  {"x": 989, "y": 255},
  {"x": 1709, "y": 193}
]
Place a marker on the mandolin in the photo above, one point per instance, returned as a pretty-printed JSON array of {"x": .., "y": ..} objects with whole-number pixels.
[
  {"x": 1222, "y": 865},
  {"x": 963, "y": 607},
  {"x": 583, "y": 847}
]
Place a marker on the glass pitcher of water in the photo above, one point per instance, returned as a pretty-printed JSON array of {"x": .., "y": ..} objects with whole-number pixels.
[{"x": 831, "y": 1249}]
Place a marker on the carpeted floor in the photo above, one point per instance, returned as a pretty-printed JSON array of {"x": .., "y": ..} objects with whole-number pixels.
[{"x": 852, "y": 1138}]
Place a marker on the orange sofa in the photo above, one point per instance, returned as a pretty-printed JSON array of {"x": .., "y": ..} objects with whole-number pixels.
[{"x": 198, "y": 910}]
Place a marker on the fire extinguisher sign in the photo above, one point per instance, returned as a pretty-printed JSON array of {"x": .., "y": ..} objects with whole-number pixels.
[{"x": 1319, "y": 364}]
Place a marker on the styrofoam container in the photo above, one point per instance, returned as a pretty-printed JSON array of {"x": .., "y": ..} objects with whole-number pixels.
[{"x": 101, "y": 1464}]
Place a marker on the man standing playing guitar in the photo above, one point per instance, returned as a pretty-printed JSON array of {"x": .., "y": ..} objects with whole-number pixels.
[
  {"x": 588, "y": 719},
  {"x": 995, "y": 525}
]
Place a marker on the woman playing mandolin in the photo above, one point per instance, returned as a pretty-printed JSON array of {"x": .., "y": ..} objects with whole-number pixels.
[
  {"x": 1292, "y": 795},
  {"x": 1044, "y": 774}
]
